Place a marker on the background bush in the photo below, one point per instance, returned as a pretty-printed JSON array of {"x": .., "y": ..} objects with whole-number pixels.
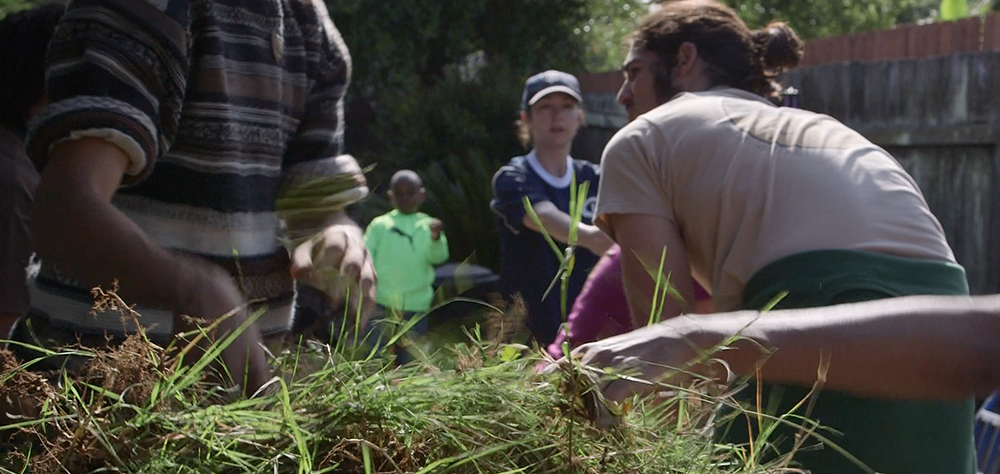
[{"x": 437, "y": 87}]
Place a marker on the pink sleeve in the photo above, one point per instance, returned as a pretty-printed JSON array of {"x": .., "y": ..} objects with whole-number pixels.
[
  {"x": 700, "y": 293},
  {"x": 601, "y": 310}
]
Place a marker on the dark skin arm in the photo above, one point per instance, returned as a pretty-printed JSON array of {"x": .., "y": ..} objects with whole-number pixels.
[
  {"x": 78, "y": 229},
  {"x": 918, "y": 347}
]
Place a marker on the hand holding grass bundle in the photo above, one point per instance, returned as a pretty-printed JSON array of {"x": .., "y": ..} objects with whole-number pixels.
[
  {"x": 325, "y": 245},
  {"x": 321, "y": 195},
  {"x": 304, "y": 204}
]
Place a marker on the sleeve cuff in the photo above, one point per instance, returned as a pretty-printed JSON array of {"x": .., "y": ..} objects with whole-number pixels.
[
  {"x": 511, "y": 216},
  {"x": 315, "y": 169},
  {"x": 602, "y": 213},
  {"x": 115, "y": 121},
  {"x": 136, "y": 157}
]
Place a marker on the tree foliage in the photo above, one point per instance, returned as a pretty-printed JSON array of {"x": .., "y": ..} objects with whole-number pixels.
[
  {"x": 825, "y": 18},
  {"x": 606, "y": 32},
  {"x": 437, "y": 89},
  {"x": 11, "y": 6}
]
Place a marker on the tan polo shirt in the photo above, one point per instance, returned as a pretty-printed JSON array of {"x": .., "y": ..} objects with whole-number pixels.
[{"x": 748, "y": 183}]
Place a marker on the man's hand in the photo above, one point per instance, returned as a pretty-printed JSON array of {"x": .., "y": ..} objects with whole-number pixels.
[
  {"x": 336, "y": 262},
  {"x": 645, "y": 360},
  {"x": 436, "y": 227},
  {"x": 74, "y": 199},
  {"x": 211, "y": 294}
]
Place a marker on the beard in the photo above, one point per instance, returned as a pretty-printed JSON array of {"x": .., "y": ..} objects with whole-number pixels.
[{"x": 663, "y": 83}]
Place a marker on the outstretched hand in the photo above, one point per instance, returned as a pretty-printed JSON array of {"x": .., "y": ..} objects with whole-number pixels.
[{"x": 643, "y": 361}]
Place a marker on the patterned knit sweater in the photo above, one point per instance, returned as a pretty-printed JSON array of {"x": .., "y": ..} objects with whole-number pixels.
[{"x": 221, "y": 105}]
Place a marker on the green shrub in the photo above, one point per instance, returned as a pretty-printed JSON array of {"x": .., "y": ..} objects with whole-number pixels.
[{"x": 437, "y": 89}]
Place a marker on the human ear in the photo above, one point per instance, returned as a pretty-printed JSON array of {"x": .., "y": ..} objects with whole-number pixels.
[{"x": 687, "y": 55}]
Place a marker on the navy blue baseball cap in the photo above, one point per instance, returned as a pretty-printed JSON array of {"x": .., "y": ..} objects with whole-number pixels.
[{"x": 548, "y": 82}]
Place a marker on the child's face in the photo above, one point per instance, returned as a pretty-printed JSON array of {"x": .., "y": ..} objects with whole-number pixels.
[{"x": 407, "y": 197}]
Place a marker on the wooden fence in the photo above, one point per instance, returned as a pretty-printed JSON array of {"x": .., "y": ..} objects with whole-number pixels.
[
  {"x": 908, "y": 42},
  {"x": 940, "y": 117}
]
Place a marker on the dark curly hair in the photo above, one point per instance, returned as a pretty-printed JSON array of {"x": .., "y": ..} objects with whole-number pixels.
[
  {"x": 24, "y": 37},
  {"x": 737, "y": 56}
]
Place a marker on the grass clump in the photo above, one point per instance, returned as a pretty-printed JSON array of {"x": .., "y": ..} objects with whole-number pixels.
[
  {"x": 467, "y": 408},
  {"x": 474, "y": 407}
]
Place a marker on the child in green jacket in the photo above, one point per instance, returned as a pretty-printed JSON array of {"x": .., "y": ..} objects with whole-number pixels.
[{"x": 405, "y": 245}]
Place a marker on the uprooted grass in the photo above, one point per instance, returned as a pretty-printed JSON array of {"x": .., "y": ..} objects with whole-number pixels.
[{"x": 329, "y": 412}]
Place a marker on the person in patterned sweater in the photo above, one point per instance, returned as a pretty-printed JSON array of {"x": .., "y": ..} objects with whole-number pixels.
[{"x": 173, "y": 128}]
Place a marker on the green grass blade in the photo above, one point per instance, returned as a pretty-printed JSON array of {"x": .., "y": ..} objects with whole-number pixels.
[
  {"x": 366, "y": 456},
  {"x": 538, "y": 222},
  {"x": 655, "y": 310},
  {"x": 774, "y": 302}
]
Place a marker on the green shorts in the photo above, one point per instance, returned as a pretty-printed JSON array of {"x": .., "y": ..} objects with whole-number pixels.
[{"x": 889, "y": 436}]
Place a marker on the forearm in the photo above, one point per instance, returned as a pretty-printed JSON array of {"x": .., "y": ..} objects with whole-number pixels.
[
  {"x": 78, "y": 230},
  {"x": 557, "y": 225},
  {"x": 555, "y": 222},
  {"x": 95, "y": 243},
  {"x": 914, "y": 347}
]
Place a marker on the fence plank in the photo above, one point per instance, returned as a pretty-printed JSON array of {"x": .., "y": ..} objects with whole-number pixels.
[
  {"x": 861, "y": 47},
  {"x": 925, "y": 41},
  {"x": 842, "y": 49},
  {"x": 827, "y": 50},
  {"x": 964, "y": 35},
  {"x": 600, "y": 82},
  {"x": 984, "y": 101},
  {"x": 958, "y": 186},
  {"x": 891, "y": 44},
  {"x": 908, "y": 41},
  {"x": 991, "y": 32}
]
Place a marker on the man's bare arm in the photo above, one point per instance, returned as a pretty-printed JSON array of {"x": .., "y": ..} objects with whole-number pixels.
[
  {"x": 916, "y": 347},
  {"x": 643, "y": 240},
  {"x": 557, "y": 225},
  {"x": 913, "y": 347},
  {"x": 78, "y": 229}
]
